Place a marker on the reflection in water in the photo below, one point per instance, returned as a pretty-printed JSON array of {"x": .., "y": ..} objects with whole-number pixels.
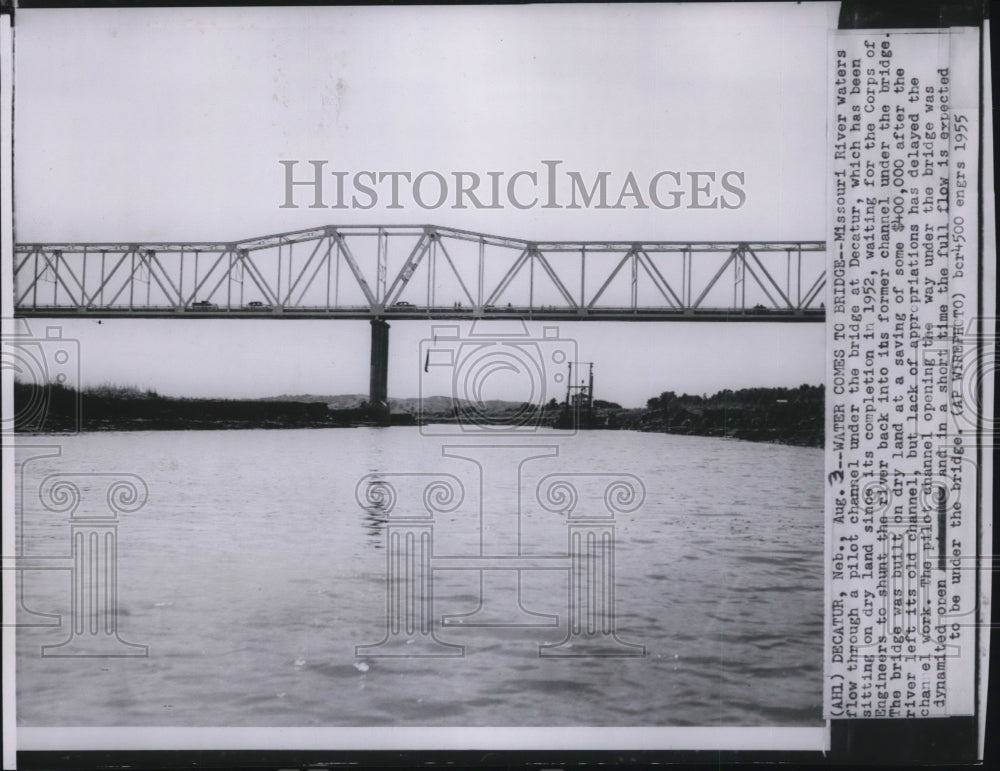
[{"x": 375, "y": 510}]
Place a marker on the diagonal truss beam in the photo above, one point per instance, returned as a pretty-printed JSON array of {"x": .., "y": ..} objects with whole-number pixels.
[
  {"x": 555, "y": 279},
  {"x": 508, "y": 277},
  {"x": 609, "y": 279},
  {"x": 406, "y": 272},
  {"x": 658, "y": 280},
  {"x": 302, "y": 272},
  {"x": 356, "y": 270},
  {"x": 258, "y": 279},
  {"x": 715, "y": 279},
  {"x": 99, "y": 292},
  {"x": 769, "y": 277},
  {"x": 457, "y": 273}
]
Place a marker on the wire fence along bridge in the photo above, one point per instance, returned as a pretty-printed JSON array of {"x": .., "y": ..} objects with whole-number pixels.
[{"x": 383, "y": 273}]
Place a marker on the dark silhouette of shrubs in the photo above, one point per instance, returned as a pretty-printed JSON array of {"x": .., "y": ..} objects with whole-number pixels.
[{"x": 786, "y": 415}]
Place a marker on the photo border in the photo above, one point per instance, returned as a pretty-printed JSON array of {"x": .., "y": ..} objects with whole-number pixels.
[{"x": 938, "y": 740}]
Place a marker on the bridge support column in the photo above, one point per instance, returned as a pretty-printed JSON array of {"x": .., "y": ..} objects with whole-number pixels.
[{"x": 378, "y": 388}]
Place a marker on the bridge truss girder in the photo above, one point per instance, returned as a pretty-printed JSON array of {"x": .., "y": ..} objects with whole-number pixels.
[{"x": 423, "y": 271}]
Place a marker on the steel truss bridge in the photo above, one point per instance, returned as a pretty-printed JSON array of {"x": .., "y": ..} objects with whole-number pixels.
[
  {"x": 382, "y": 273},
  {"x": 424, "y": 272}
]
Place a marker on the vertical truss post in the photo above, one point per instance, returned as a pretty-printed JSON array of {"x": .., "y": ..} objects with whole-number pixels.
[
  {"x": 329, "y": 268},
  {"x": 479, "y": 291},
  {"x": 382, "y": 240},
  {"x": 788, "y": 274},
  {"x": 531, "y": 277},
  {"x": 34, "y": 282},
  {"x": 196, "y": 284},
  {"x": 431, "y": 263},
  {"x": 55, "y": 277},
  {"x": 739, "y": 276},
  {"x": 242, "y": 255},
  {"x": 686, "y": 264},
  {"x": 336, "y": 277},
  {"x": 83, "y": 283},
  {"x": 798, "y": 302},
  {"x": 743, "y": 285},
  {"x": 635, "y": 277},
  {"x": 277, "y": 291},
  {"x": 104, "y": 255}
]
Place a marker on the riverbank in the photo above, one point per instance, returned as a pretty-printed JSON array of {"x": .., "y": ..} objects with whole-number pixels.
[
  {"x": 778, "y": 415},
  {"x": 58, "y": 409},
  {"x": 793, "y": 416}
]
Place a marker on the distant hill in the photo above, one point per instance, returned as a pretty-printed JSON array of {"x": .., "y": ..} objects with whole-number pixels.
[
  {"x": 339, "y": 402},
  {"x": 431, "y": 404}
]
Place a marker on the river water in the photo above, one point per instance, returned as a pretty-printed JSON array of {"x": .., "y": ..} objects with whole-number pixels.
[{"x": 252, "y": 572}]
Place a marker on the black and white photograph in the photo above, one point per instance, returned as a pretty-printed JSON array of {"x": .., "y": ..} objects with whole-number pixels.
[{"x": 473, "y": 377}]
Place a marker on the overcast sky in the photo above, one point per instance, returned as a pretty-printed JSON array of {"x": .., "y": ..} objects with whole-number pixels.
[{"x": 169, "y": 124}]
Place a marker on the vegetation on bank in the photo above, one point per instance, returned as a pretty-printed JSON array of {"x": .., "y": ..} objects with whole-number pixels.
[
  {"x": 57, "y": 408},
  {"x": 783, "y": 415}
]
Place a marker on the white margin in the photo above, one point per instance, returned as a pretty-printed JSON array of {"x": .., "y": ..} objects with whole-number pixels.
[
  {"x": 421, "y": 738},
  {"x": 988, "y": 294},
  {"x": 6, "y": 380}
]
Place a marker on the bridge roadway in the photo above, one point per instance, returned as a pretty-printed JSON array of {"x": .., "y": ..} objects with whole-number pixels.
[{"x": 415, "y": 313}]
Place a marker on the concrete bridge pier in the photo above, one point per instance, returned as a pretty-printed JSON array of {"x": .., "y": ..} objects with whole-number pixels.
[{"x": 378, "y": 388}]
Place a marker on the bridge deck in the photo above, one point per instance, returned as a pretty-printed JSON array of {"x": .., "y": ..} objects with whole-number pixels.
[{"x": 815, "y": 315}]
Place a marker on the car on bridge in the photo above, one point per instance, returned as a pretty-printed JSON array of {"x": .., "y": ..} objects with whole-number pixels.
[
  {"x": 257, "y": 305},
  {"x": 204, "y": 305},
  {"x": 403, "y": 304}
]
